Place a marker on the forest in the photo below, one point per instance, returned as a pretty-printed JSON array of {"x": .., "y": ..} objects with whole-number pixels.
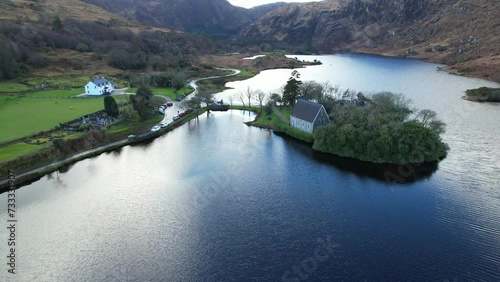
[{"x": 385, "y": 130}]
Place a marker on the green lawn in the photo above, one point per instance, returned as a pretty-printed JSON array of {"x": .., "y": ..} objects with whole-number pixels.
[
  {"x": 170, "y": 92},
  {"x": 165, "y": 91},
  {"x": 12, "y": 87},
  {"x": 131, "y": 90},
  {"x": 263, "y": 120},
  {"x": 20, "y": 117},
  {"x": 75, "y": 82},
  {"x": 55, "y": 93},
  {"x": 124, "y": 128},
  {"x": 286, "y": 111},
  {"x": 15, "y": 150}
]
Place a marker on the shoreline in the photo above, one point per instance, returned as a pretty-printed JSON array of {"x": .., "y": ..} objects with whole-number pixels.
[
  {"x": 391, "y": 171},
  {"x": 445, "y": 67},
  {"x": 33, "y": 174}
]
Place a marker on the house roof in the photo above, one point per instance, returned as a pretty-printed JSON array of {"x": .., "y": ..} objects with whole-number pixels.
[
  {"x": 100, "y": 81},
  {"x": 306, "y": 110}
]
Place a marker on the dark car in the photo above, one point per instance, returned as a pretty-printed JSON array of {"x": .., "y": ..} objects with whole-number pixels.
[{"x": 170, "y": 104}]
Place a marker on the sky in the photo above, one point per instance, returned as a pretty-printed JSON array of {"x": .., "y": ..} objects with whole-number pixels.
[{"x": 252, "y": 3}]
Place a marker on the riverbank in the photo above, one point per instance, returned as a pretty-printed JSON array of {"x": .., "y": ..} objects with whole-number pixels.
[
  {"x": 482, "y": 94},
  {"x": 39, "y": 170}
]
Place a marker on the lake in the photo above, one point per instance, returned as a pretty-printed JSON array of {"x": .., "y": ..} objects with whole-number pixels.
[{"x": 216, "y": 200}]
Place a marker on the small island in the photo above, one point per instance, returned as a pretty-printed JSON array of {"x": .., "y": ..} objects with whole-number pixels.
[
  {"x": 482, "y": 94},
  {"x": 382, "y": 129}
]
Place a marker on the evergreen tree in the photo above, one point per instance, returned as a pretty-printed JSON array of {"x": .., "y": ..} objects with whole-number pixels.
[
  {"x": 292, "y": 89},
  {"x": 111, "y": 107}
]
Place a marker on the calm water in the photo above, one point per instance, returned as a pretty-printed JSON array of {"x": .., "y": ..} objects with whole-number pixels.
[{"x": 216, "y": 200}]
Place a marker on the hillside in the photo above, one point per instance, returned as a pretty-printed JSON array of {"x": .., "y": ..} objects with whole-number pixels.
[
  {"x": 217, "y": 17},
  {"x": 72, "y": 40},
  {"x": 42, "y": 11},
  {"x": 463, "y": 34}
]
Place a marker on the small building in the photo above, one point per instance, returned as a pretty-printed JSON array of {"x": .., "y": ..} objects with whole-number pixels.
[
  {"x": 307, "y": 116},
  {"x": 99, "y": 86}
]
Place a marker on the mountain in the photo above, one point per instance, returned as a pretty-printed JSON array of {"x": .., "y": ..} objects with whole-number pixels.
[
  {"x": 202, "y": 16},
  {"x": 464, "y": 34},
  {"x": 71, "y": 38},
  {"x": 43, "y": 11}
]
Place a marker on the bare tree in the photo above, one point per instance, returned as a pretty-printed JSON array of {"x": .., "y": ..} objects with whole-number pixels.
[
  {"x": 261, "y": 96},
  {"x": 241, "y": 97},
  {"x": 330, "y": 91},
  {"x": 249, "y": 93}
]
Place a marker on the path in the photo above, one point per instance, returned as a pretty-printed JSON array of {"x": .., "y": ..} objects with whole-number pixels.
[
  {"x": 193, "y": 82},
  {"x": 281, "y": 115}
]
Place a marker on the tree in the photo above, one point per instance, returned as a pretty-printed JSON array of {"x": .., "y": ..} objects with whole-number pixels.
[
  {"x": 57, "y": 24},
  {"x": 428, "y": 118},
  {"x": 194, "y": 102},
  {"x": 261, "y": 96},
  {"x": 311, "y": 90},
  {"x": 382, "y": 132},
  {"x": 292, "y": 89},
  {"x": 142, "y": 102},
  {"x": 241, "y": 97},
  {"x": 275, "y": 99},
  {"x": 111, "y": 107},
  {"x": 128, "y": 113},
  {"x": 157, "y": 101},
  {"x": 9, "y": 67},
  {"x": 82, "y": 47},
  {"x": 268, "y": 109},
  {"x": 249, "y": 94},
  {"x": 204, "y": 96},
  {"x": 145, "y": 92}
]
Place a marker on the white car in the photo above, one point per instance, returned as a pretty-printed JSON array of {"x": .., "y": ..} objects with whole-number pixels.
[
  {"x": 176, "y": 117},
  {"x": 163, "y": 124},
  {"x": 155, "y": 128}
]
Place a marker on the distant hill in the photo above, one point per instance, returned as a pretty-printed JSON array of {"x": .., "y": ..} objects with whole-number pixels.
[
  {"x": 43, "y": 11},
  {"x": 464, "y": 34},
  {"x": 202, "y": 16},
  {"x": 63, "y": 37}
]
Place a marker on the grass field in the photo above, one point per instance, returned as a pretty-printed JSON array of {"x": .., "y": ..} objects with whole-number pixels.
[
  {"x": 54, "y": 93},
  {"x": 12, "y": 87},
  {"x": 11, "y": 152},
  {"x": 286, "y": 111},
  {"x": 20, "y": 117},
  {"x": 169, "y": 92}
]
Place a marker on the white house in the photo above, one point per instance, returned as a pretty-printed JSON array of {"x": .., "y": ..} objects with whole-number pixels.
[
  {"x": 99, "y": 86},
  {"x": 307, "y": 116}
]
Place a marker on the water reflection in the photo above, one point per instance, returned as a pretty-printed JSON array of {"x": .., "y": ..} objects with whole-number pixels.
[{"x": 390, "y": 174}]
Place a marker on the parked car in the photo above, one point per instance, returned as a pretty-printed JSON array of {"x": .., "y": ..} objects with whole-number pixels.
[
  {"x": 155, "y": 128},
  {"x": 182, "y": 114},
  {"x": 132, "y": 137},
  {"x": 170, "y": 104},
  {"x": 176, "y": 117},
  {"x": 163, "y": 124}
]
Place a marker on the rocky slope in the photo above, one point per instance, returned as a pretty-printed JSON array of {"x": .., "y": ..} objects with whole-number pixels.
[
  {"x": 203, "y": 16},
  {"x": 461, "y": 33}
]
